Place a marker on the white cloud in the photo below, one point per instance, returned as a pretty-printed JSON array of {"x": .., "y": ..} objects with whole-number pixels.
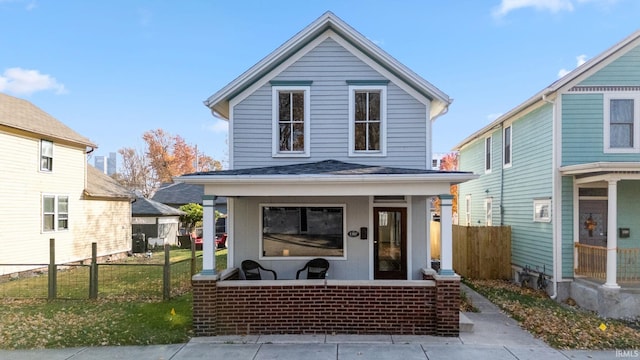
[
  {"x": 580, "y": 59},
  {"x": 219, "y": 126},
  {"x": 31, "y": 5},
  {"x": 554, "y": 6},
  {"x": 25, "y": 82}
]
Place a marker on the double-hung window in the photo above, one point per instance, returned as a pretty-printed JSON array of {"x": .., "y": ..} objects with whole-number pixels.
[
  {"x": 291, "y": 129},
  {"x": 46, "y": 155},
  {"x": 621, "y": 123},
  {"x": 367, "y": 120},
  {"x": 487, "y": 155},
  {"x": 507, "y": 150},
  {"x": 55, "y": 213}
]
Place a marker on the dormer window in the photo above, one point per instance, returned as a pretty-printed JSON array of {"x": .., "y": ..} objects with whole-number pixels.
[
  {"x": 291, "y": 135},
  {"x": 367, "y": 124},
  {"x": 46, "y": 155}
]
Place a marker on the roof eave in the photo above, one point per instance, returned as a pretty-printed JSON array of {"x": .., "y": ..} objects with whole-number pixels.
[
  {"x": 572, "y": 77},
  {"x": 219, "y": 102}
]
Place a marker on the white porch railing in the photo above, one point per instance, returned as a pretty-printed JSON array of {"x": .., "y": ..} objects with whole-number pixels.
[{"x": 591, "y": 261}]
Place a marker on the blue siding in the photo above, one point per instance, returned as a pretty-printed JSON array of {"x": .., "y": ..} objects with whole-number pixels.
[
  {"x": 329, "y": 66},
  {"x": 567, "y": 227},
  {"x": 527, "y": 179},
  {"x": 583, "y": 131},
  {"x": 622, "y": 71}
]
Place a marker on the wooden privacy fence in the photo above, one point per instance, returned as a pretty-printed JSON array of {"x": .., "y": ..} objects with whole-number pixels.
[{"x": 479, "y": 252}]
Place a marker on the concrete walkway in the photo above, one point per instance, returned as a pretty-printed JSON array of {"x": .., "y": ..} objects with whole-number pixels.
[{"x": 494, "y": 336}]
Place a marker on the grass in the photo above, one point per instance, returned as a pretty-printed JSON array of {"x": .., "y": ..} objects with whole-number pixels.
[
  {"x": 34, "y": 324},
  {"x": 559, "y": 325}
]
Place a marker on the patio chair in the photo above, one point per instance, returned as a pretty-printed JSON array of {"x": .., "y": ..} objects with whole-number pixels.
[
  {"x": 316, "y": 269},
  {"x": 251, "y": 270}
]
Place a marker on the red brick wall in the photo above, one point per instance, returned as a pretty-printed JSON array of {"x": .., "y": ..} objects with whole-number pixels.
[{"x": 315, "y": 308}]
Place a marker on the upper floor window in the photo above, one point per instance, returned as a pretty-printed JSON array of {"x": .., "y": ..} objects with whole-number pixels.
[
  {"x": 367, "y": 124},
  {"x": 507, "y": 146},
  {"x": 46, "y": 155},
  {"x": 291, "y": 135},
  {"x": 55, "y": 213},
  {"x": 621, "y": 128},
  {"x": 487, "y": 155}
]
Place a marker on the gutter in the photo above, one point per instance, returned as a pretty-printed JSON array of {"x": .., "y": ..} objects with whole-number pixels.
[{"x": 556, "y": 241}]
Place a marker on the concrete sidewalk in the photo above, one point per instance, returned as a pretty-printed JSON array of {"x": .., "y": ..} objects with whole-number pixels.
[{"x": 494, "y": 336}]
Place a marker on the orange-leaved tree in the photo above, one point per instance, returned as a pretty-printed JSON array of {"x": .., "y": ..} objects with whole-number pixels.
[
  {"x": 449, "y": 162},
  {"x": 165, "y": 157}
]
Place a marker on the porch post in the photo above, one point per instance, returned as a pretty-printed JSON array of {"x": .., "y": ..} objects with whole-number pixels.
[
  {"x": 612, "y": 236},
  {"x": 446, "y": 235},
  {"x": 208, "y": 235}
]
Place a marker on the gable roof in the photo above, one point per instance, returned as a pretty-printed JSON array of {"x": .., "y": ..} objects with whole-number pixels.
[
  {"x": 99, "y": 185},
  {"x": 566, "y": 82},
  {"x": 148, "y": 207},
  {"x": 22, "y": 115},
  {"x": 219, "y": 102}
]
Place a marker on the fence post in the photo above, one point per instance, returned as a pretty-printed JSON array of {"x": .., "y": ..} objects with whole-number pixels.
[
  {"x": 166, "y": 274},
  {"x": 53, "y": 270},
  {"x": 93, "y": 272}
]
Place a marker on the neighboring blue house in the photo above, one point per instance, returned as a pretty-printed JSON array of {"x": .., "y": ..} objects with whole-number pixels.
[
  {"x": 330, "y": 156},
  {"x": 563, "y": 169}
]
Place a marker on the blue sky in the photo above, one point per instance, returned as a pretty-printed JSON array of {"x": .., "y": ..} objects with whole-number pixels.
[{"x": 112, "y": 70}]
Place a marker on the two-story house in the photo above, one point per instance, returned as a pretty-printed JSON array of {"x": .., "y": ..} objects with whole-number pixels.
[
  {"x": 49, "y": 191},
  {"x": 562, "y": 170},
  {"x": 330, "y": 157}
]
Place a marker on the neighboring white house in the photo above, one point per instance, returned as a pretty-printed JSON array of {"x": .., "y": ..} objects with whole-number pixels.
[{"x": 49, "y": 191}]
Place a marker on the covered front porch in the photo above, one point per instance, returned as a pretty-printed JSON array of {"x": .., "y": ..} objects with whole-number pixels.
[
  {"x": 370, "y": 223},
  {"x": 606, "y": 256}
]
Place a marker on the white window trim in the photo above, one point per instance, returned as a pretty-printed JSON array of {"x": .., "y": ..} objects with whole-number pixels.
[
  {"x": 504, "y": 163},
  {"x": 488, "y": 161},
  {"x": 488, "y": 211},
  {"x": 383, "y": 121},
  {"x": 56, "y": 213},
  {"x": 40, "y": 156},
  {"x": 275, "y": 127},
  {"x": 607, "y": 122},
  {"x": 344, "y": 231},
  {"x": 537, "y": 205}
]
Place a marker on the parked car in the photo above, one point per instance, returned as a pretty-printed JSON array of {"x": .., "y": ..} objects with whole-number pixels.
[{"x": 221, "y": 239}]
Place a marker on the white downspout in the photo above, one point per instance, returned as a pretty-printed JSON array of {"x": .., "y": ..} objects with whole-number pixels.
[{"x": 555, "y": 199}]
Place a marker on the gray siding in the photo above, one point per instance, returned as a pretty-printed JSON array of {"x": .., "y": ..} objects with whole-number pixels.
[
  {"x": 247, "y": 236},
  {"x": 329, "y": 66}
]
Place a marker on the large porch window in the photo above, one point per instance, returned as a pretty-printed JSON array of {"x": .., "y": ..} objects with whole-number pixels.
[{"x": 303, "y": 231}]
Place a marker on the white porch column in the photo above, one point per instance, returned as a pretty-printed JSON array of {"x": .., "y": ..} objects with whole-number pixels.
[
  {"x": 208, "y": 235},
  {"x": 612, "y": 236},
  {"x": 446, "y": 235}
]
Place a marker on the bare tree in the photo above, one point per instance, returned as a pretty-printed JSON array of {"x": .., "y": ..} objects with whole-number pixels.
[{"x": 136, "y": 173}]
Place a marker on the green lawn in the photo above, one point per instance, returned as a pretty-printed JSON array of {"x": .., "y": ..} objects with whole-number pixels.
[{"x": 31, "y": 324}]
